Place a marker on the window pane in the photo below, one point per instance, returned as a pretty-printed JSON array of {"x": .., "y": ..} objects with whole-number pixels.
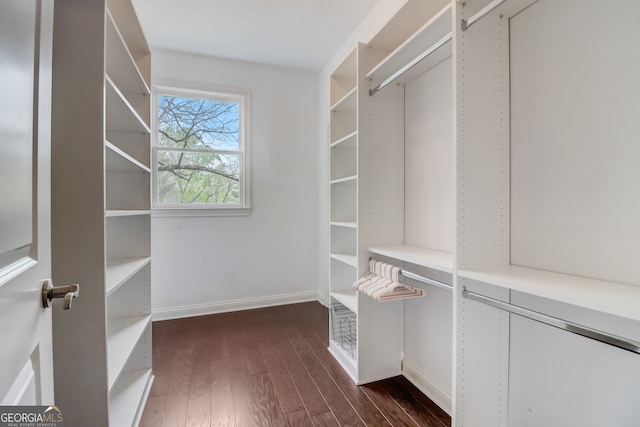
[
  {"x": 198, "y": 123},
  {"x": 193, "y": 178}
]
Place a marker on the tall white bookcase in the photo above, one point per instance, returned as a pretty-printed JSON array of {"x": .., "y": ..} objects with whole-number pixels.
[
  {"x": 367, "y": 187},
  {"x": 101, "y": 211}
]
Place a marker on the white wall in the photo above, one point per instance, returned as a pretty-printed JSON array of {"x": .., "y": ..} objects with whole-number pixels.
[
  {"x": 210, "y": 264},
  {"x": 370, "y": 25}
]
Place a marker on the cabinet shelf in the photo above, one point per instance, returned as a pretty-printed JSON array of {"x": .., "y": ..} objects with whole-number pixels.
[
  {"x": 349, "y": 141},
  {"x": 121, "y": 116},
  {"x": 350, "y": 260},
  {"x": 437, "y": 260},
  {"x": 119, "y": 161},
  {"x": 124, "y": 212},
  {"x": 343, "y": 79},
  {"x": 347, "y": 298},
  {"x": 122, "y": 69},
  {"x": 608, "y": 297},
  {"x": 430, "y": 33},
  {"x": 346, "y": 180},
  {"x": 126, "y": 396},
  {"x": 123, "y": 335},
  {"x": 345, "y": 360},
  {"x": 121, "y": 270},
  {"x": 348, "y": 103},
  {"x": 401, "y": 28},
  {"x": 345, "y": 224}
]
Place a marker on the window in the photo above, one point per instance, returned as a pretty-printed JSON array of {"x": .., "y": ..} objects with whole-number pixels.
[{"x": 200, "y": 151}]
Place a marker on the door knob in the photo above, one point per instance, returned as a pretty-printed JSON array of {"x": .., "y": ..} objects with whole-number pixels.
[{"x": 50, "y": 292}]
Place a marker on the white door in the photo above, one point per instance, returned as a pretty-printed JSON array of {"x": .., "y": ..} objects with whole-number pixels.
[{"x": 26, "y": 362}]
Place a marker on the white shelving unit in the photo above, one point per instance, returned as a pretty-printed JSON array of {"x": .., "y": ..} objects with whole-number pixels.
[
  {"x": 101, "y": 143},
  {"x": 368, "y": 181},
  {"x": 542, "y": 140}
]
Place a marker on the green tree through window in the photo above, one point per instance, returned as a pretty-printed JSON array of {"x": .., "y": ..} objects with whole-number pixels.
[{"x": 199, "y": 151}]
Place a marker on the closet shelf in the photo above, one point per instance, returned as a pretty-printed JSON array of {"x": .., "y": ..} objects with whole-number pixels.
[
  {"x": 346, "y": 142},
  {"x": 347, "y": 103},
  {"x": 345, "y": 224},
  {"x": 608, "y": 297},
  {"x": 346, "y": 180},
  {"x": 430, "y": 33},
  {"x": 123, "y": 212},
  {"x": 120, "y": 270},
  {"x": 123, "y": 335},
  {"x": 347, "y": 298},
  {"x": 345, "y": 360},
  {"x": 121, "y": 116},
  {"x": 126, "y": 396},
  {"x": 350, "y": 260},
  {"x": 437, "y": 260},
  {"x": 119, "y": 161},
  {"x": 121, "y": 66}
]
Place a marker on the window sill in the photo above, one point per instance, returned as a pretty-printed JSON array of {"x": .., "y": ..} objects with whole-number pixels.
[{"x": 198, "y": 212}]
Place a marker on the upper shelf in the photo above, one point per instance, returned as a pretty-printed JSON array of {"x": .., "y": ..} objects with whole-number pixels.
[
  {"x": 410, "y": 19},
  {"x": 348, "y": 103},
  {"x": 121, "y": 116},
  {"x": 344, "y": 79},
  {"x": 435, "y": 30},
  {"x": 125, "y": 19},
  {"x": 121, "y": 66},
  {"x": 608, "y": 297},
  {"x": 437, "y": 260},
  {"x": 120, "y": 161}
]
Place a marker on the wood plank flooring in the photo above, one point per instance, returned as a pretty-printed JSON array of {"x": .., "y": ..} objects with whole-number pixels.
[{"x": 269, "y": 367}]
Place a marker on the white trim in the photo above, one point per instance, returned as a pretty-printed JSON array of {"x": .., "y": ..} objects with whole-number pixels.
[
  {"x": 201, "y": 212},
  {"x": 231, "y": 305},
  {"x": 428, "y": 386}
]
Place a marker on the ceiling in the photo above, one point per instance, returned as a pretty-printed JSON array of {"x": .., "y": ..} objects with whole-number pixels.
[{"x": 291, "y": 33}]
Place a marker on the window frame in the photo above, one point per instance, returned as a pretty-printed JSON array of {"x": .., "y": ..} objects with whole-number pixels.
[{"x": 217, "y": 93}]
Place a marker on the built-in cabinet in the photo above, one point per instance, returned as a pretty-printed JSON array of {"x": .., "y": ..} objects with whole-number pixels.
[
  {"x": 101, "y": 211},
  {"x": 493, "y": 147}
]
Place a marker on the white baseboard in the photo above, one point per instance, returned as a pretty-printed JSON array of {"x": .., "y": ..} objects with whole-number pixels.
[
  {"x": 428, "y": 386},
  {"x": 232, "y": 305}
]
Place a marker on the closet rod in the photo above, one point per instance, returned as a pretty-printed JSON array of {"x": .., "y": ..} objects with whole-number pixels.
[
  {"x": 410, "y": 65},
  {"x": 565, "y": 325},
  {"x": 426, "y": 280},
  {"x": 466, "y": 23}
]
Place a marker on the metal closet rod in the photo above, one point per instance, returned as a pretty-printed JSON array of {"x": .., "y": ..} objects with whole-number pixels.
[
  {"x": 410, "y": 65},
  {"x": 423, "y": 279},
  {"x": 426, "y": 280},
  {"x": 565, "y": 325},
  {"x": 466, "y": 23}
]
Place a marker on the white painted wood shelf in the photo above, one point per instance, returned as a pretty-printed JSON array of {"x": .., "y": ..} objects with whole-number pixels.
[
  {"x": 347, "y": 298},
  {"x": 122, "y": 269},
  {"x": 123, "y": 335},
  {"x": 431, "y": 32},
  {"x": 121, "y": 116},
  {"x": 350, "y": 260},
  {"x": 614, "y": 298},
  {"x": 429, "y": 258},
  {"x": 345, "y": 224},
  {"x": 346, "y": 180},
  {"x": 119, "y": 160},
  {"x": 125, "y": 212},
  {"x": 349, "y": 141},
  {"x": 131, "y": 387},
  {"x": 121, "y": 67}
]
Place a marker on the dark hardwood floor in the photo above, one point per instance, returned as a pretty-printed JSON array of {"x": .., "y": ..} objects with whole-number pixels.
[{"x": 269, "y": 367}]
